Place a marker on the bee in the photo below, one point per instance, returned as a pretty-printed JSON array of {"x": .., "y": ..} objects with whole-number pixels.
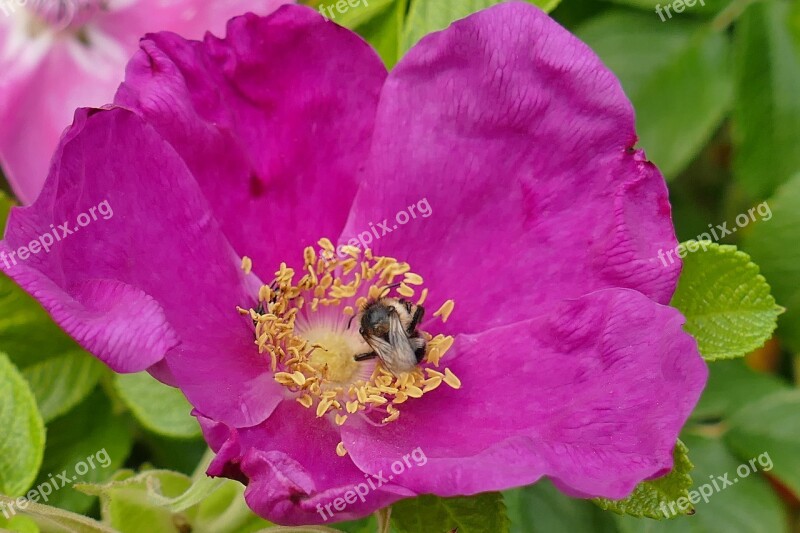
[{"x": 389, "y": 327}]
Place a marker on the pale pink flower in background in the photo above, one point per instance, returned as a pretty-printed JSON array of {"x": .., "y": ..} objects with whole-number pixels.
[{"x": 58, "y": 55}]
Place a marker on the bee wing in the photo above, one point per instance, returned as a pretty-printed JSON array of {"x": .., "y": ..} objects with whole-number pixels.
[{"x": 397, "y": 354}]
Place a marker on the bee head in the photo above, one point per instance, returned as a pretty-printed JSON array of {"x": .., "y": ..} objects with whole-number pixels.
[{"x": 375, "y": 320}]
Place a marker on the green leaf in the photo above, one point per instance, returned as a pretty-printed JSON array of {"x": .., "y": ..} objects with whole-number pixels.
[
  {"x": 5, "y": 207},
  {"x": 646, "y": 498},
  {"x": 225, "y": 511},
  {"x": 697, "y": 10},
  {"x": 365, "y": 525},
  {"x": 22, "y": 441},
  {"x": 60, "y": 383},
  {"x": 475, "y": 514},
  {"x": 197, "y": 492},
  {"x": 543, "y": 508},
  {"x": 160, "y": 500},
  {"x": 723, "y": 393},
  {"x": 90, "y": 430},
  {"x": 766, "y": 116},
  {"x": 27, "y": 333},
  {"x": 727, "y": 303},
  {"x": 748, "y": 506},
  {"x": 427, "y": 16},
  {"x": 165, "y": 453},
  {"x": 383, "y": 32},
  {"x": 767, "y": 431},
  {"x": 349, "y": 16},
  {"x": 159, "y": 408},
  {"x": 774, "y": 247},
  {"x": 52, "y": 519},
  {"x": 677, "y": 75},
  {"x": 126, "y": 504},
  {"x": 19, "y": 524}
]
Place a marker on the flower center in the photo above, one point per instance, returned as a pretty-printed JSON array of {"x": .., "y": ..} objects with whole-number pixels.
[
  {"x": 344, "y": 338},
  {"x": 65, "y": 14},
  {"x": 330, "y": 356}
]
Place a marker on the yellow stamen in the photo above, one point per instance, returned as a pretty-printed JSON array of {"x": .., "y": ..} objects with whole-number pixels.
[
  {"x": 306, "y": 401},
  {"x": 405, "y": 290},
  {"x": 451, "y": 379},
  {"x": 326, "y": 244},
  {"x": 413, "y": 279},
  {"x": 400, "y": 398},
  {"x": 323, "y": 407},
  {"x": 445, "y": 310},
  {"x": 432, "y": 383},
  {"x": 414, "y": 391},
  {"x": 310, "y": 255},
  {"x": 423, "y": 296},
  {"x": 340, "y": 450},
  {"x": 394, "y": 414},
  {"x": 247, "y": 265}
]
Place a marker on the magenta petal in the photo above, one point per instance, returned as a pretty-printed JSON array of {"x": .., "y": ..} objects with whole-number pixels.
[
  {"x": 274, "y": 122},
  {"x": 153, "y": 277},
  {"x": 592, "y": 394},
  {"x": 290, "y": 467},
  {"x": 515, "y": 140}
]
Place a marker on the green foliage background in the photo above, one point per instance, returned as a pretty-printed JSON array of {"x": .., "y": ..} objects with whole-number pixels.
[{"x": 716, "y": 89}]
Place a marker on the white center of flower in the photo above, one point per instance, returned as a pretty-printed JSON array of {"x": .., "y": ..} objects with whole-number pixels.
[
  {"x": 61, "y": 15},
  {"x": 335, "y": 353}
]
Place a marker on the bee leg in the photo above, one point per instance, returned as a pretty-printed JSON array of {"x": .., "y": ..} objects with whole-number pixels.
[
  {"x": 365, "y": 356},
  {"x": 412, "y": 327},
  {"x": 419, "y": 346}
]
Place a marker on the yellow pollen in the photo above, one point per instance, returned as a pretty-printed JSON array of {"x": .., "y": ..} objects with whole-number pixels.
[
  {"x": 445, "y": 310},
  {"x": 451, "y": 379},
  {"x": 432, "y": 383},
  {"x": 423, "y": 296},
  {"x": 414, "y": 391},
  {"x": 247, "y": 264},
  {"x": 400, "y": 397},
  {"x": 413, "y": 279},
  {"x": 307, "y": 328},
  {"x": 340, "y": 450},
  {"x": 394, "y": 414},
  {"x": 306, "y": 401},
  {"x": 405, "y": 290}
]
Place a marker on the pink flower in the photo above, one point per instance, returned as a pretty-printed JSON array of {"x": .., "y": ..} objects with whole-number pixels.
[
  {"x": 58, "y": 55},
  {"x": 511, "y": 142}
]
